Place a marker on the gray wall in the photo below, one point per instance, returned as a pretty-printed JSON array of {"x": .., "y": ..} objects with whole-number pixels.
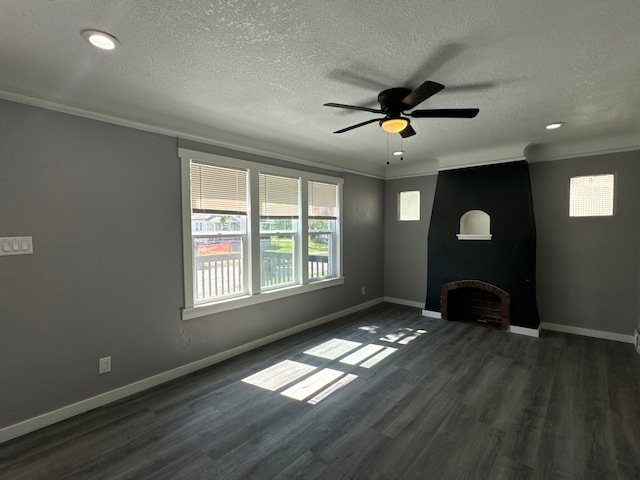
[
  {"x": 102, "y": 203},
  {"x": 405, "y": 265},
  {"x": 587, "y": 268}
]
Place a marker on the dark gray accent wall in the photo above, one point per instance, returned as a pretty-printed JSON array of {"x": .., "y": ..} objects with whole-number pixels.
[
  {"x": 102, "y": 203},
  {"x": 508, "y": 260},
  {"x": 588, "y": 267},
  {"x": 405, "y": 272}
]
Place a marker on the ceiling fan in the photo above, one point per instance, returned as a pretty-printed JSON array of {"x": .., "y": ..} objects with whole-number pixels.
[{"x": 394, "y": 103}]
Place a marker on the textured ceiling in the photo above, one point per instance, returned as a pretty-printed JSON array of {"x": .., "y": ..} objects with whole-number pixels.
[{"x": 254, "y": 74}]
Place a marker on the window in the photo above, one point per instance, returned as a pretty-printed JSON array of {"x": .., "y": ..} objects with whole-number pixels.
[
  {"x": 234, "y": 257},
  {"x": 279, "y": 212},
  {"x": 409, "y": 205},
  {"x": 591, "y": 196},
  {"x": 323, "y": 218},
  {"x": 218, "y": 231}
]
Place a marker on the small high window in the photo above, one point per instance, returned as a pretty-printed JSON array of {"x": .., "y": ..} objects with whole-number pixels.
[
  {"x": 409, "y": 206},
  {"x": 591, "y": 196}
]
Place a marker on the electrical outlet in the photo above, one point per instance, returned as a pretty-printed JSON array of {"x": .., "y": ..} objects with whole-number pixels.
[
  {"x": 104, "y": 365},
  {"x": 364, "y": 290}
]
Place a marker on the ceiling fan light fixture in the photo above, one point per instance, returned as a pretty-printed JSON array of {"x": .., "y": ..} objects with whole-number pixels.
[
  {"x": 394, "y": 125},
  {"x": 102, "y": 40},
  {"x": 395, "y": 102}
]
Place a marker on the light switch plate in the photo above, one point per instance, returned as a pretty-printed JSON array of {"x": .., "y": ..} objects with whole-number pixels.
[{"x": 16, "y": 246}]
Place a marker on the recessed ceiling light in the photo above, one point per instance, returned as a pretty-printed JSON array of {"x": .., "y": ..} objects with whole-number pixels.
[
  {"x": 553, "y": 126},
  {"x": 99, "y": 39}
]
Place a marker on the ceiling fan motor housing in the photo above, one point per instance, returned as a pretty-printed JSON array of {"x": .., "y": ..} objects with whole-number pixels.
[{"x": 391, "y": 100}]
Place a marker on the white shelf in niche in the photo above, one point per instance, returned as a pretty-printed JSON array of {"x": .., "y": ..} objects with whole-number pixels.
[
  {"x": 468, "y": 236},
  {"x": 475, "y": 225}
]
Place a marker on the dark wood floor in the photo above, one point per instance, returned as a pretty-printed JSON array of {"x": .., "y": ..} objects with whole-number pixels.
[{"x": 452, "y": 401}]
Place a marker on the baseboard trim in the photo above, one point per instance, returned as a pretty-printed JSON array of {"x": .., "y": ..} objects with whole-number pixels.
[
  {"x": 587, "y": 332},
  {"x": 49, "y": 418},
  {"x": 530, "y": 332},
  {"x": 408, "y": 303},
  {"x": 431, "y": 314}
]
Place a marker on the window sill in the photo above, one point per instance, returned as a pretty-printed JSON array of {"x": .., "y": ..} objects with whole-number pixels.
[{"x": 239, "y": 302}]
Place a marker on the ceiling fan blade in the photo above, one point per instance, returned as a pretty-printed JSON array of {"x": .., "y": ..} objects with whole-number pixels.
[
  {"x": 352, "y": 107},
  {"x": 407, "y": 132},
  {"x": 445, "y": 113},
  {"x": 420, "y": 94},
  {"x": 358, "y": 125}
]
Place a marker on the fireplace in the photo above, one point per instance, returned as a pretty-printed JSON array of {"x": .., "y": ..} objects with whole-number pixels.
[
  {"x": 476, "y": 301},
  {"x": 482, "y": 228}
]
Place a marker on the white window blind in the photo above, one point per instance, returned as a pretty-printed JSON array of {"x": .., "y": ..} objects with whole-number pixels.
[
  {"x": 591, "y": 196},
  {"x": 218, "y": 190},
  {"x": 279, "y": 196},
  {"x": 322, "y": 200}
]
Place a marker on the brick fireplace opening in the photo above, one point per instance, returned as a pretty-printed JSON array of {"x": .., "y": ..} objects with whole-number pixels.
[{"x": 475, "y": 301}]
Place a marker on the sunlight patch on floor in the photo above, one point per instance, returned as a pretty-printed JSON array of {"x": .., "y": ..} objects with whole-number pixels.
[
  {"x": 410, "y": 338},
  {"x": 333, "y": 388},
  {"x": 370, "y": 328},
  {"x": 392, "y": 337},
  {"x": 379, "y": 357},
  {"x": 402, "y": 336},
  {"x": 312, "y": 384},
  {"x": 302, "y": 381},
  {"x": 361, "y": 354},
  {"x": 279, "y": 375},
  {"x": 322, "y": 383},
  {"x": 333, "y": 348}
]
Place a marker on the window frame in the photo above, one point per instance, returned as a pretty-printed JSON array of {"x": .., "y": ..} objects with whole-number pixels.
[{"x": 255, "y": 294}]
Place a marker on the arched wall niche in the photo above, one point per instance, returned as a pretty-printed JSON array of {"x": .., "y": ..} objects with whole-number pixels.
[{"x": 475, "y": 225}]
